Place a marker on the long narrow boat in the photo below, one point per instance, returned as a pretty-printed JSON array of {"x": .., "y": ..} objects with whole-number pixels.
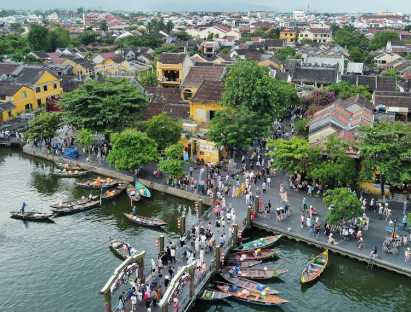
[
  {"x": 212, "y": 295},
  {"x": 113, "y": 193},
  {"x": 74, "y": 202},
  {"x": 250, "y": 296},
  {"x": 67, "y": 166},
  {"x": 316, "y": 267},
  {"x": 70, "y": 173},
  {"x": 76, "y": 208},
  {"x": 264, "y": 254},
  {"x": 32, "y": 216},
  {"x": 97, "y": 183},
  {"x": 145, "y": 220},
  {"x": 260, "y": 243},
  {"x": 248, "y": 284},
  {"x": 120, "y": 248},
  {"x": 132, "y": 193},
  {"x": 142, "y": 190},
  {"x": 257, "y": 273},
  {"x": 245, "y": 263}
]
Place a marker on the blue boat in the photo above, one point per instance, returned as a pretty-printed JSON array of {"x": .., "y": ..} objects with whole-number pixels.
[{"x": 142, "y": 190}]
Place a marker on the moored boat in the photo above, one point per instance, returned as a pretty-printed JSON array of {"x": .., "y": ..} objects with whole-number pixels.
[
  {"x": 142, "y": 190},
  {"x": 97, "y": 183},
  {"x": 132, "y": 193},
  {"x": 211, "y": 295},
  {"x": 70, "y": 173},
  {"x": 263, "y": 242},
  {"x": 250, "y": 296},
  {"x": 145, "y": 220},
  {"x": 74, "y": 202},
  {"x": 67, "y": 166},
  {"x": 121, "y": 249},
  {"x": 248, "y": 284},
  {"x": 76, "y": 208},
  {"x": 256, "y": 273},
  {"x": 113, "y": 193},
  {"x": 31, "y": 215},
  {"x": 245, "y": 263},
  {"x": 315, "y": 267},
  {"x": 257, "y": 254}
]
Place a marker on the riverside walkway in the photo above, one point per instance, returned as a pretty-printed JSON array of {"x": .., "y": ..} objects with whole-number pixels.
[{"x": 290, "y": 227}]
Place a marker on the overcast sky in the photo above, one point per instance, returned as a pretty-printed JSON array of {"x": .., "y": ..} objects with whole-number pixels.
[{"x": 216, "y": 5}]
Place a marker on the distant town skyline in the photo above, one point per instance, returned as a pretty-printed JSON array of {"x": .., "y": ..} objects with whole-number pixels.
[{"x": 347, "y": 6}]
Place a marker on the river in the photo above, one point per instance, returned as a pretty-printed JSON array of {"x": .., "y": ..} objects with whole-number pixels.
[{"x": 61, "y": 266}]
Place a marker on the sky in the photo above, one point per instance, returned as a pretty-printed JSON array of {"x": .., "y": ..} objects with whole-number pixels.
[{"x": 349, "y": 6}]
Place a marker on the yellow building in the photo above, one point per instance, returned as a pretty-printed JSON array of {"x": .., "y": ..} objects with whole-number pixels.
[
  {"x": 85, "y": 68},
  {"x": 288, "y": 35},
  {"x": 172, "y": 69},
  {"x": 15, "y": 99},
  {"x": 207, "y": 151},
  {"x": 272, "y": 62},
  {"x": 206, "y": 101}
]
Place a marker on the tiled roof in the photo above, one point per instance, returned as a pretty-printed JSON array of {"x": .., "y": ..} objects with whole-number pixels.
[
  {"x": 8, "y": 69},
  {"x": 276, "y": 43},
  {"x": 172, "y": 58},
  {"x": 253, "y": 55},
  {"x": 315, "y": 74},
  {"x": 291, "y": 64},
  {"x": 166, "y": 100},
  {"x": 209, "y": 91},
  {"x": 9, "y": 89},
  {"x": 357, "y": 99},
  {"x": 164, "y": 95},
  {"x": 380, "y": 83},
  {"x": 197, "y": 74},
  {"x": 356, "y": 68},
  {"x": 393, "y": 99},
  {"x": 222, "y": 28},
  {"x": 107, "y": 55},
  {"x": 325, "y": 60},
  {"x": 281, "y": 76},
  {"x": 6, "y": 106},
  {"x": 30, "y": 75},
  {"x": 69, "y": 82},
  {"x": 40, "y": 54}
]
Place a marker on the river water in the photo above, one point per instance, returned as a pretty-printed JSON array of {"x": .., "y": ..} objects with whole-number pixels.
[{"x": 61, "y": 266}]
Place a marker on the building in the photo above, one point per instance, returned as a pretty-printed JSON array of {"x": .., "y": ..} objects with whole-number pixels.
[
  {"x": 172, "y": 68},
  {"x": 298, "y": 14},
  {"x": 288, "y": 35},
  {"x": 15, "y": 99},
  {"x": 316, "y": 35}
]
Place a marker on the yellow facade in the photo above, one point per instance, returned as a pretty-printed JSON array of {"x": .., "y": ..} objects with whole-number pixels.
[
  {"x": 169, "y": 75},
  {"x": 70, "y": 62},
  {"x": 203, "y": 111},
  {"x": 47, "y": 86},
  {"x": 374, "y": 188},
  {"x": 288, "y": 35},
  {"x": 24, "y": 99},
  {"x": 269, "y": 62},
  {"x": 208, "y": 151}
]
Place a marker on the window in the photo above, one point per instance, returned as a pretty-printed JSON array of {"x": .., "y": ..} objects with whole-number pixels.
[
  {"x": 38, "y": 89},
  {"x": 10, "y": 114},
  {"x": 55, "y": 85},
  {"x": 24, "y": 94},
  {"x": 28, "y": 107},
  {"x": 188, "y": 94},
  {"x": 45, "y": 88},
  {"x": 201, "y": 113},
  {"x": 39, "y": 102}
]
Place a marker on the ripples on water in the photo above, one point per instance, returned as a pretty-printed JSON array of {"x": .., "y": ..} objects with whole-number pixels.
[{"x": 63, "y": 265}]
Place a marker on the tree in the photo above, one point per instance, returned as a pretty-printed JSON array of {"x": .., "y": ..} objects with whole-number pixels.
[
  {"x": 151, "y": 41},
  {"x": 345, "y": 90},
  {"x": 272, "y": 34},
  {"x": 346, "y": 205},
  {"x": 44, "y": 126},
  {"x": 385, "y": 150},
  {"x": 168, "y": 49},
  {"x": 233, "y": 129},
  {"x": 169, "y": 26},
  {"x": 316, "y": 101},
  {"x": 346, "y": 38},
  {"x": 173, "y": 162},
  {"x": 381, "y": 38},
  {"x": 85, "y": 138},
  {"x": 392, "y": 73},
  {"x": 149, "y": 80},
  {"x": 163, "y": 130},
  {"x": 129, "y": 41},
  {"x": 89, "y": 37},
  {"x": 131, "y": 149},
  {"x": 59, "y": 38},
  {"x": 408, "y": 27},
  {"x": 306, "y": 40},
  {"x": 360, "y": 55},
  {"x": 249, "y": 88},
  {"x": 290, "y": 155},
  {"x": 284, "y": 54},
  {"x": 97, "y": 106},
  {"x": 37, "y": 38},
  {"x": 182, "y": 35},
  {"x": 103, "y": 25},
  {"x": 225, "y": 50}
]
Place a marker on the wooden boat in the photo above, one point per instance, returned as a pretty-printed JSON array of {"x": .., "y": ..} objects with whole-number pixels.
[
  {"x": 74, "y": 202},
  {"x": 245, "y": 263},
  {"x": 31, "y": 215},
  {"x": 120, "y": 248},
  {"x": 212, "y": 295},
  {"x": 145, "y": 220},
  {"x": 250, "y": 296},
  {"x": 248, "y": 284},
  {"x": 113, "y": 193},
  {"x": 317, "y": 266},
  {"x": 257, "y": 273},
  {"x": 76, "y": 208},
  {"x": 70, "y": 174},
  {"x": 260, "y": 243},
  {"x": 97, "y": 183},
  {"x": 142, "y": 190},
  {"x": 132, "y": 193},
  {"x": 67, "y": 166},
  {"x": 264, "y": 254}
]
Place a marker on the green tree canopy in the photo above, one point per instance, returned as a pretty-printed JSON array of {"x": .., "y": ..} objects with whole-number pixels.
[
  {"x": 345, "y": 90},
  {"x": 84, "y": 137},
  {"x": 89, "y": 37},
  {"x": 182, "y": 35},
  {"x": 249, "y": 88},
  {"x": 37, "y": 38},
  {"x": 163, "y": 130},
  {"x": 385, "y": 149},
  {"x": 346, "y": 205},
  {"x": 381, "y": 38},
  {"x": 284, "y": 54},
  {"x": 111, "y": 105},
  {"x": 59, "y": 38},
  {"x": 44, "y": 126},
  {"x": 149, "y": 80},
  {"x": 173, "y": 163},
  {"x": 360, "y": 55},
  {"x": 168, "y": 49},
  {"x": 131, "y": 149},
  {"x": 347, "y": 39}
]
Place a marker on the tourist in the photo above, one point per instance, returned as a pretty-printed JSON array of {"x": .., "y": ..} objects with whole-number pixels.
[
  {"x": 302, "y": 219},
  {"x": 120, "y": 305},
  {"x": 268, "y": 182},
  {"x": 404, "y": 221},
  {"x": 148, "y": 302},
  {"x": 331, "y": 240},
  {"x": 176, "y": 305},
  {"x": 139, "y": 295},
  {"x": 373, "y": 253},
  {"x": 217, "y": 225},
  {"x": 407, "y": 254},
  {"x": 133, "y": 302},
  {"x": 264, "y": 187},
  {"x": 380, "y": 209},
  {"x": 23, "y": 206}
]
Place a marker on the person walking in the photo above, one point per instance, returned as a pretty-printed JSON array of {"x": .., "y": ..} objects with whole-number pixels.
[
  {"x": 380, "y": 210},
  {"x": 120, "y": 305},
  {"x": 302, "y": 219},
  {"x": 407, "y": 254}
]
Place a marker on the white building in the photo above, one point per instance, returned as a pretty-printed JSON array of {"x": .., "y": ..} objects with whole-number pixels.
[{"x": 298, "y": 14}]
